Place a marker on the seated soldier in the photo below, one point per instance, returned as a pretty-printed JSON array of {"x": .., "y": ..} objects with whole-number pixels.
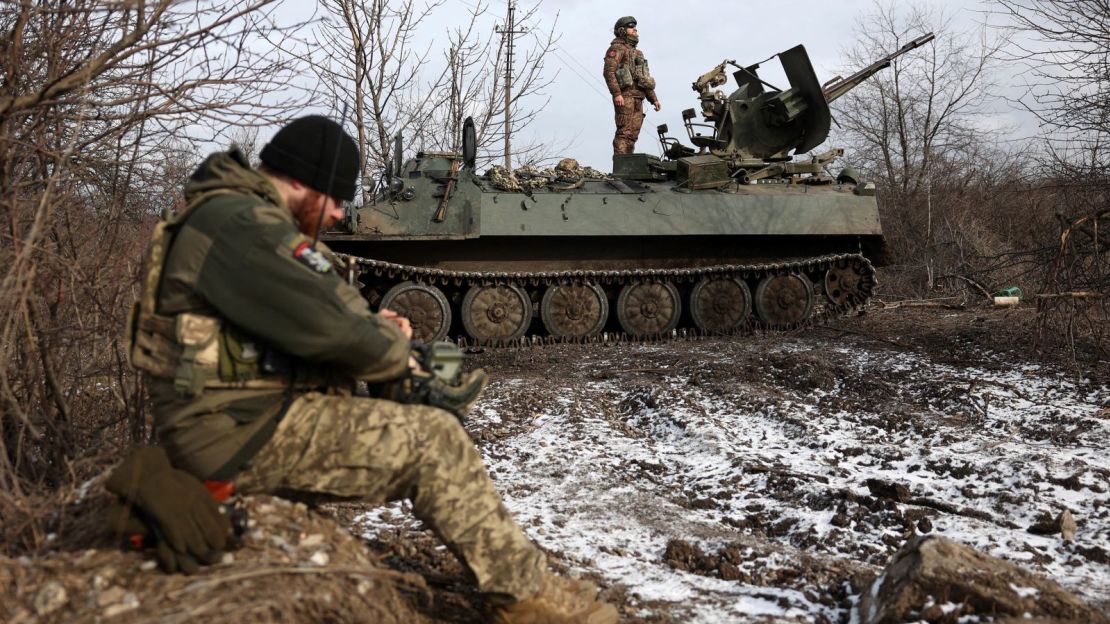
[{"x": 252, "y": 341}]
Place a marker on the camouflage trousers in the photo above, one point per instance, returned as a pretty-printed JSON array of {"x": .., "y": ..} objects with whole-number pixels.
[
  {"x": 380, "y": 451},
  {"x": 630, "y": 118}
]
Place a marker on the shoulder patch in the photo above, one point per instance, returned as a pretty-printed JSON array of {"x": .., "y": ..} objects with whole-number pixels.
[
  {"x": 612, "y": 53},
  {"x": 299, "y": 248},
  {"x": 312, "y": 257}
]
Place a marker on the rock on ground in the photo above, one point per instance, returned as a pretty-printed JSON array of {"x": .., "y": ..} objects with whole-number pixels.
[{"x": 937, "y": 580}]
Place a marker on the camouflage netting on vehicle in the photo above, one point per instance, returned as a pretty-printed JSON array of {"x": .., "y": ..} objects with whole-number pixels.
[{"x": 566, "y": 175}]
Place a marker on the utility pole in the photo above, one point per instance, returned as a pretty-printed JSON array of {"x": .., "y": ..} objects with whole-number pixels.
[
  {"x": 507, "y": 33},
  {"x": 456, "y": 104}
]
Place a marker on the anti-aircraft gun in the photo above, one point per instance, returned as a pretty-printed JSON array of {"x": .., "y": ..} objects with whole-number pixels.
[
  {"x": 757, "y": 130},
  {"x": 731, "y": 234}
]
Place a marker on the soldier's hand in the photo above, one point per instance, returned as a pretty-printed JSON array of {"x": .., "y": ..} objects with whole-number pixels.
[
  {"x": 402, "y": 322},
  {"x": 658, "y": 107},
  {"x": 405, "y": 325},
  {"x": 619, "y": 100}
]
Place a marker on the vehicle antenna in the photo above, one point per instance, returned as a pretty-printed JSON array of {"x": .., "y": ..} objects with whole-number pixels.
[{"x": 331, "y": 175}]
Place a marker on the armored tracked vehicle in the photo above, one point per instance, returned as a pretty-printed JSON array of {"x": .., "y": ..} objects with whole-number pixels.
[{"x": 742, "y": 230}]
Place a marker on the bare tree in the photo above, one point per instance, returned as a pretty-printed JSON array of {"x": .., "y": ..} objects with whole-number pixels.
[
  {"x": 365, "y": 55},
  {"x": 1065, "y": 47},
  {"x": 914, "y": 127},
  {"x": 94, "y": 101},
  {"x": 477, "y": 66},
  {"x": 368, "y": 53}
]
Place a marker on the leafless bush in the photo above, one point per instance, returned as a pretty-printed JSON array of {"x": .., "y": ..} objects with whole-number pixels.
[
  {"x": 1064, "y": 47},
  {"x": 1074, "y": 305},
  {"x": 94, "y": 101}
]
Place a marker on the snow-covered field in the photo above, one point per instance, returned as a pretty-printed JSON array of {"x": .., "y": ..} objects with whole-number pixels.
[{"x": 747, "y": 480}]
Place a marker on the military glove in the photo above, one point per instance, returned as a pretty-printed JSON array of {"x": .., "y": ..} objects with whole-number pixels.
[
  {"x": 456, "y": 398},
  {"x": 170, "y": 507}
]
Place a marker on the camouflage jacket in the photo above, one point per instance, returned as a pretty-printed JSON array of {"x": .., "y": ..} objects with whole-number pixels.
[
  {"x": 626, "y": 72},
  {"x": 237, "y": 255}
]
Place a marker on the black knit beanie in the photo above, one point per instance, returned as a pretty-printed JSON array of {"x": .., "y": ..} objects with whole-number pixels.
[{"x": 309, "y": 149}]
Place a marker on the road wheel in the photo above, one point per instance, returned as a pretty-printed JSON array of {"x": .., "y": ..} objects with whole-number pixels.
[
  {"x": 784, "y": 299},
  {"x": 574, "y": 310},
  {"x": 720, "y": 305},
  {"x": 648, "y": 308},
  {"x": 496, "y": 313},
  {"x": 423, "y": 305}
]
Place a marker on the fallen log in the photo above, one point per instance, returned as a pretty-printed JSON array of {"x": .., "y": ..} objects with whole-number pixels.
[{"x": 1081, "y": 294}]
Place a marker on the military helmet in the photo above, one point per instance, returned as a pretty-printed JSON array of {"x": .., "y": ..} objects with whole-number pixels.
[{"x": 625, "y": 22}]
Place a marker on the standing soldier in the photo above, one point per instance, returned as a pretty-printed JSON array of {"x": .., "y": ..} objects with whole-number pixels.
[
  {"x": 251, "y": 341},
  {"x": 629, "y": 81}
]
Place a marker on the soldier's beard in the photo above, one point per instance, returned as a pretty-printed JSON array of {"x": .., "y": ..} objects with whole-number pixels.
[
  {"x": 632, "y": 39},
  {"x": 307, "y": 215}
]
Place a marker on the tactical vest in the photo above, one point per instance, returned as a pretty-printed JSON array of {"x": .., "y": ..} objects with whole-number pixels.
[
  {"x": 634, "y": 72},
  {"x": 199, "y": 352}
]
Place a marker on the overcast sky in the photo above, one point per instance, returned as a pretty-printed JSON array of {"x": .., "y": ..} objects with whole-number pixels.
[{"x": 681, "y": 40}]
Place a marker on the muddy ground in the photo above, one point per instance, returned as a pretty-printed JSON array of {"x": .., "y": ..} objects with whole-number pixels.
[
  {"x": 748, "y": 479},
  {"x": 765, "y": 477}
]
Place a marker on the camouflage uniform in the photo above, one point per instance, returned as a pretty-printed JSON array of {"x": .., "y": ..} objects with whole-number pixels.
[
  {"x": 380, "y": 451},
  {"x": 236, "y": 256},
  {"x": 626, "y": 73}
]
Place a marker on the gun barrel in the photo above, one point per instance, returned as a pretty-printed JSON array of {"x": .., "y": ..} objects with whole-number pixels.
[{"x": 841, "y": 87}]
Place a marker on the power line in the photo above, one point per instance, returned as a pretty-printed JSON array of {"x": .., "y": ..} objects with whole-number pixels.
[
  {"x": 585, "y": 69},
  {"x": 591, "y": 84}
]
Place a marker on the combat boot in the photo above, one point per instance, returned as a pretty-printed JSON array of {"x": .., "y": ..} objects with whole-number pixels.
[{"x": 559, "y": 601}]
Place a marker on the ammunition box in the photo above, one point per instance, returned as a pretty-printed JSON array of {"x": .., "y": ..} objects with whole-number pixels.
[
  {"x": 637, "y": 167},
  {"x": 705, "y": 171}
]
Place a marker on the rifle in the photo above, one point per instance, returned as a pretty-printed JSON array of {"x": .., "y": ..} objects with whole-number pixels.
[{"x": 441, "y": 212}]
